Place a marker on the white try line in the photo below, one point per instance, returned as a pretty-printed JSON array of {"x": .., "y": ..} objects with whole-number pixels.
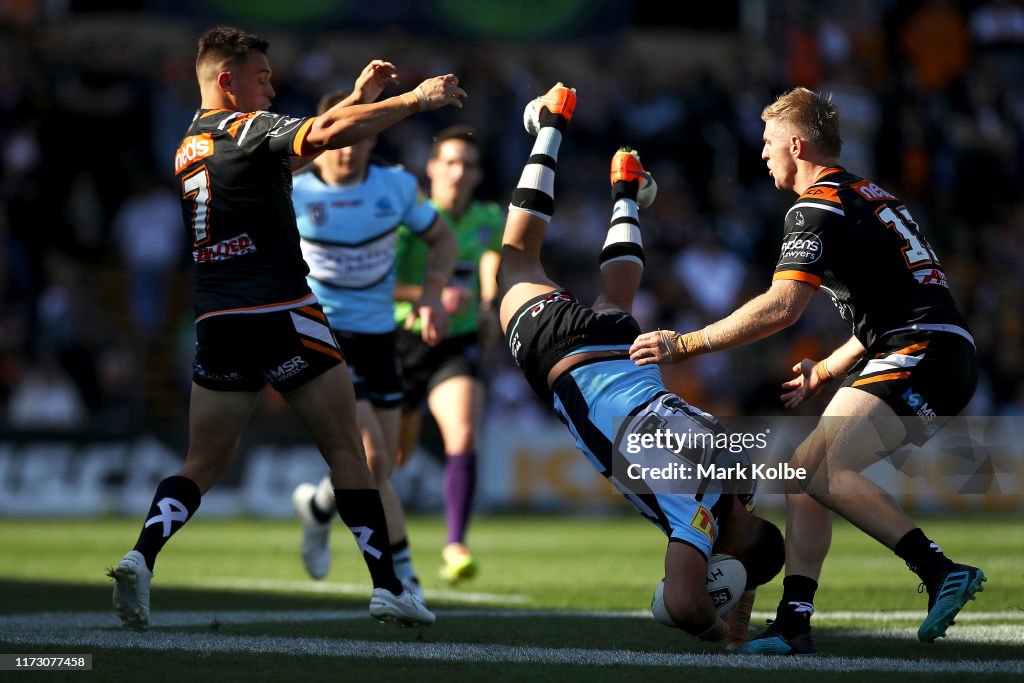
[
  {"x": 100, "y": 629},
  {"x": 355, "y": 589}
]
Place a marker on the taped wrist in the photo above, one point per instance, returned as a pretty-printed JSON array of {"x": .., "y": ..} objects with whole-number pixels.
[
  {"x": 682, "y": 346},
  {"x": 822, "y": 372}
]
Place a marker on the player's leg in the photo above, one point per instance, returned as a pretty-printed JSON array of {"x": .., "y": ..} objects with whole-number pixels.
[
  {"x": 457, "y": 405},
  {"x": 408, "y": 434},
  {"x": 216, "y": 419},
  {"x": 857, "y": 443},
  {"x": 622, "y": 257},
  {"x": 326, "y": 405},
  {"x": 379, "y": 427},
  {"x": 521, "y": 276},
  {"x": 685, "y": 596}
]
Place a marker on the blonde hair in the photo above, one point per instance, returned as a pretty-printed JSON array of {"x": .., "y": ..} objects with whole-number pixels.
[{"x": 813, "y": 115}]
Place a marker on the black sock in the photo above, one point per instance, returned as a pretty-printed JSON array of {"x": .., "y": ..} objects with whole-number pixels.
[
  {"x": 401, "y": 557},
  {"x": 923, "y": 557},
  {"x": 363, "y": 513},
  {"x": 625, "y": 189},
  {"x": 797, "y": 605},
  {"x": 546, "y": 118},
  {"x": 175, "y": 501}
]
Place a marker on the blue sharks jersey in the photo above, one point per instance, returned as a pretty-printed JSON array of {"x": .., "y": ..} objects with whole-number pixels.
[
  {"x": 603, "y": 403},
  {"x": 348, "y": 236}
]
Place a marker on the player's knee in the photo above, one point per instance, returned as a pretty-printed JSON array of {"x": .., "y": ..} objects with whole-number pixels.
[
  {"x": 686, "y": 611},
  {"x": 459, "y": 438}
]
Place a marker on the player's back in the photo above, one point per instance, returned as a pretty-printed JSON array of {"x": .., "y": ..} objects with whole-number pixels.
[
  {"x": 235, "y": 175},
  {"x": 860, "y": 244}
]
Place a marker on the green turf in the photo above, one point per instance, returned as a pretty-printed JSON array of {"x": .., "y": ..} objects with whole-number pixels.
[{"x": 550, "y": 562}]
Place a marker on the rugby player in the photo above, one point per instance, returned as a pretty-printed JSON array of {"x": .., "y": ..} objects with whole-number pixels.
[
  {"x": 348, "y": 209},
  {"x": 256, "y": 319},
  {"x": 577, "y": 359},
  {"x": 910, "y": 356}
]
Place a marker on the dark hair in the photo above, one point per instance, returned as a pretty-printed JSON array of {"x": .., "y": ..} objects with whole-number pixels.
[
  {"x": 765, "y": 552},
  {"x": 331, "y": 99},
  {"x": 467, "y": 134},
  {"x": 224, "y": 43}
]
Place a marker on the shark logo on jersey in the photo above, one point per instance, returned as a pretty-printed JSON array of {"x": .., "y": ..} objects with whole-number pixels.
[
  {"x": 384, "y": 207},
  {"x": 317, "y": 213}
]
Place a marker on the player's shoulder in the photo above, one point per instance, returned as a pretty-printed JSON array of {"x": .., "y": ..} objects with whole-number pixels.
[{"x": 821, "y": 199}]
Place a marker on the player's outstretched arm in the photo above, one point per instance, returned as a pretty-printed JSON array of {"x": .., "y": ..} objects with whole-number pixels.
[
  {"x": 811, "y": 376},
  {"x": 343, "y": 125},
  {"x": 764, "y": 315}
]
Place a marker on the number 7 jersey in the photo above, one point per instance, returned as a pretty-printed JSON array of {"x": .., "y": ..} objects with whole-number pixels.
[
  {"x": 234, "y": 172},
  {"x": 860, "y": 244}
]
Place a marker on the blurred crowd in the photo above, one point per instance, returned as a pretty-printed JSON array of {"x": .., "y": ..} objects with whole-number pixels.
[{"x": 95, "y": 308}]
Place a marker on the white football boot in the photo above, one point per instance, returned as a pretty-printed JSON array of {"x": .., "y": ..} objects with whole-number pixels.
[{"x": 131, "y": 590}]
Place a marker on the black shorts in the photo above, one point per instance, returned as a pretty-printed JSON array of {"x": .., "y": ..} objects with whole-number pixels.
[
  {"x": 376, "y": 373},
  {"x": 552, "y": 326},
  {"x": 927, "y": 376},
  {"x": 424, "y": 367},
  {"x": 242, "y": 352}
]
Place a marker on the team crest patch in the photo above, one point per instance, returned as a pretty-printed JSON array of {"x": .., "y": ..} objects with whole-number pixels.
[
  {"x": 704, "y": 522},
  {"x": 317, "y": 213}
]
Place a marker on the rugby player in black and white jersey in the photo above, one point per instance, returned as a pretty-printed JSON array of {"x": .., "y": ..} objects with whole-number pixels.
[
  {"x": 256, "y": 319},
  {"x": 910, "y": 356}
]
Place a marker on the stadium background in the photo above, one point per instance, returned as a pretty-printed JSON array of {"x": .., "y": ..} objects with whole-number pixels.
[{"x": 95, "y": 306}]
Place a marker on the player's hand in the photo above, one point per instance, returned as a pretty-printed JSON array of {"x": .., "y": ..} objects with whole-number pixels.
[
  {"x": 456, "y": 299},
  {"x": 804, "y": 386},
  {"x": 375, "y": 77},
  {"x": 440, "y": 91},
  {"x": 651, "y": 347},
  {"x": 433, "y": 318},
  {"x": 739, "y": 621}
]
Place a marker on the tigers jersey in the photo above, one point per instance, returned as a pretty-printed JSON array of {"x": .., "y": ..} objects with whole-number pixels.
[
  {"x": 234, "y": 171},
  {"x": 860, "y": 244},
  {"x": 348, "y": 238}
]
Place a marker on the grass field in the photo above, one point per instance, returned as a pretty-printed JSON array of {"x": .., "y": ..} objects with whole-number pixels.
[{"x": 558, "y": 598}]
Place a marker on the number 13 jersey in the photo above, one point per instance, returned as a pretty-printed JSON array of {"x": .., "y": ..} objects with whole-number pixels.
[
  {"x": 860, "y": 244},
  {"x": 234, "y": 172}
]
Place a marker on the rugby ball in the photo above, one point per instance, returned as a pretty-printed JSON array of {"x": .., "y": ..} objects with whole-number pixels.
[{"x": 726, "y": 579}]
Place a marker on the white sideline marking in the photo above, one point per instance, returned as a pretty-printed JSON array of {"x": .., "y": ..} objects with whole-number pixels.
[
  {"x": 991, "y": 634},
  {"x": 362, "y": 590},
  {"x": 100, "y": 629}
]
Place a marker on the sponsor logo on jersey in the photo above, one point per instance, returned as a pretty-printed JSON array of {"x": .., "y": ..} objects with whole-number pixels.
[
  {"x": 287, "y": 369},
  {"x": 871, "y": 191},
  {"x": 384, "y": 207},
  {"x": 800, "y": 249},
  {"x": 931, "y": 276},
  {"x": 704, "y": 522},
  {"x": 799, "y": 219},
  {"x": 236, "y": 246},
  {"x": 192, "y": 149},
  {"x": 317, "y": 213}
]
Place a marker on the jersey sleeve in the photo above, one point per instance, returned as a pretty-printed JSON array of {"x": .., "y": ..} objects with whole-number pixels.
[
  {"x": 419, "y": 213},
  {"x": 280, "y": 133},
  {"x": 810, "y": 236}
]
